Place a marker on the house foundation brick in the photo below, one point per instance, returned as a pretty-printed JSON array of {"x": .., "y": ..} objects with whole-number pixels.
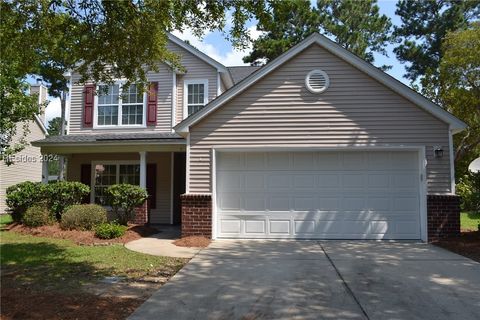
[
  {"x": 141, "y": 214},
  {"x": 196, "y": 215},
  {"x": 443, "y": 216}
]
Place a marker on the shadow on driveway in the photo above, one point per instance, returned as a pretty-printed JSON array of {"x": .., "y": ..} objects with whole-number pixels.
[{"x": 319, "y": 280}]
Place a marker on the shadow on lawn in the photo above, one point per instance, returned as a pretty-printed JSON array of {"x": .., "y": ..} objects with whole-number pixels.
[{"x": 46, "y": 265}]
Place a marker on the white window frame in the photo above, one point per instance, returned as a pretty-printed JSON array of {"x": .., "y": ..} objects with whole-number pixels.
[
  {"x": 119, "y": 122},
  {"x": 185, "y": 93},
  {"x": 107, "y": 162}
]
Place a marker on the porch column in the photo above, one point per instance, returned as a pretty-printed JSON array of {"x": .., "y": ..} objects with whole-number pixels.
[
  {"x": 44, "y": 171},
  {"x": 143, "y": 169},
  {"x": 141, "y": 212}
]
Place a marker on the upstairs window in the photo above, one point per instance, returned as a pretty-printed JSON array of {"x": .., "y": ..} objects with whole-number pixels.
[
  {"x": 195, "y": 95},
  {"x": 117, "y": 106}
]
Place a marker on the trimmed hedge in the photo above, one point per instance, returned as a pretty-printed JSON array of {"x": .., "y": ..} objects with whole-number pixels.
[
  {"x": 22, "y": 196},
  {"x": 57, "y": 196},
  {"x": 63, "y": 194},
  {"x": 37, "y": 215},
  {"x": 110, "y": 230},
  {"x": 83, "y": 217}
]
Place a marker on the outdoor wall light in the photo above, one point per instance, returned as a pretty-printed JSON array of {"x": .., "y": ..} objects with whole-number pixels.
[{"x": 438, "y": 151}]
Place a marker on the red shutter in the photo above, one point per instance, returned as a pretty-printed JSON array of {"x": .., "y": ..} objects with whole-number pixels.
[
  {"x": 152, "y": 104},
  {"x": 88, "y": 99}
]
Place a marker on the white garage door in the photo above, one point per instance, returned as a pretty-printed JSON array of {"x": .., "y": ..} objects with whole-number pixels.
[{"x": 318, "y": 195}]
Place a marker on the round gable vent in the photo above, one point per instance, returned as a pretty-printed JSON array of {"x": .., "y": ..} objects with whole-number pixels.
[{"x": 317, "y": 81}]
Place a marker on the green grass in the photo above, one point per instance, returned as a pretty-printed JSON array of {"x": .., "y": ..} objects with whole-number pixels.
[
  {"x": 56, "y": 262},
  {"x": 5, "y": 219},
  {"x": 469, "y": 220}
]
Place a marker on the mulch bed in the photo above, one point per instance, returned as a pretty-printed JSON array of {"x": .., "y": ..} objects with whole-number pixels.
[
  {"x": 192, "y": 241},
  {"x": 134, "y": 232},
  {"x": 467, "y": 244},
  {"x": 24, "y": 303}
]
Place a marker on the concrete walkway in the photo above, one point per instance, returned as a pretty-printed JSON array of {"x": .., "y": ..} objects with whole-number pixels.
[
  {"x": 161, "y": 244},
  {"x": 319, "y": 280}
]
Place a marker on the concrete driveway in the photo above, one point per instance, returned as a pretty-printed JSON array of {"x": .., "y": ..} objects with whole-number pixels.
[{"x": 320, "y": 280}]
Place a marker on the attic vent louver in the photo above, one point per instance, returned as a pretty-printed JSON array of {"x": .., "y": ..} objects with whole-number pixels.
[{"x": 317, "y": 81}]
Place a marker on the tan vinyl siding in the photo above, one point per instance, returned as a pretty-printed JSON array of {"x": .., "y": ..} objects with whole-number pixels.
[
  {"x": 164, "y": 105},
  {"x": 356, "y": 110},
  {"x": 22, "y": 170},
  {"x": 196, "y": 69},
  {"x": 161, "y": 214}
]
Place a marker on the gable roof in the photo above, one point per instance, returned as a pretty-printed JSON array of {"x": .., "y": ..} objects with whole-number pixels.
[
  {"x": 456, "y": 125},
  {"x": 225, "y": 74},
  {"x": 239, "y": 73}
]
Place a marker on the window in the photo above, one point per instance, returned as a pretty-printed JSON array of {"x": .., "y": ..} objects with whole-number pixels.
[
  {"x": 106, "y": 175},
  {"x": 120, "y": 106},
  {"x": 195, "y": 95}
]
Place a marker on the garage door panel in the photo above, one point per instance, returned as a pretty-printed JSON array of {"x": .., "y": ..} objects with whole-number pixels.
[
  {"x": 254, "y": 180},
  {"x": 328, "y": 180},
  {"x": 333, "y": 195},
  {"x": 353, "y": 161},
  {"x": 231, "y": 181},
  {"x": 255, "y": 227},
  {"x": 350, "y": 180},
  {"x": 279, "y": 227},
  {"x": 229, "y": 226}
]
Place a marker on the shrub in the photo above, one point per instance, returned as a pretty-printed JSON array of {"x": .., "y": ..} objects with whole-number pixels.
[
  {"x": 83, "y": 217},
  {"x": 37, "y": 215},
  {"x": 123, "y": 198},
  {"x": 63, "y": 194},
  {"x": 468, "y": 189},
  {"x": 109, "y": 230},
  {"x": 22, "y": 196}
]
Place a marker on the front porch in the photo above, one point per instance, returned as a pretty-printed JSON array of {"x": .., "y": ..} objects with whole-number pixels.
[{"x": 152, "y": 162}]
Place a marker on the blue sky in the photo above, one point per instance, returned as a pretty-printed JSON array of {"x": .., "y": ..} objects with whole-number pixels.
[{"x": 215, "y": 45}]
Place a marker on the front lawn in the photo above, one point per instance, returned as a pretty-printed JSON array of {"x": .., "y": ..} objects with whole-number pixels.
[
  {"x": 5, "y": 219},
  {"x": 469, "y": 220},
  {"x": 58, "y": 274}
]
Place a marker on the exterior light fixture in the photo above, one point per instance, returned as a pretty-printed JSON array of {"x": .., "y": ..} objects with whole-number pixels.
[{"x": 438, "y": 150}]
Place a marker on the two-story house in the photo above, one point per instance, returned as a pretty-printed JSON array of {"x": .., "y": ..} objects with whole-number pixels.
[{"x": 315, "y": 144}]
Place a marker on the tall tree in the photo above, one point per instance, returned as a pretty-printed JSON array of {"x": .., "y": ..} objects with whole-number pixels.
[
  {"x": 55, "y": 126},
  {"x": 424, "y": 26},
  {"x": 459, "y": 90},
  {"x": 284, "y": 25},
  {"x": 356, "y": 25},
  {"x": 101, "y": 39}
]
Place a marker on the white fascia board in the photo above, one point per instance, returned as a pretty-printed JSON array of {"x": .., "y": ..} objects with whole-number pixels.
[
  {"x": 41, "y": 125},
  {"x": 456, "y": 124},
  {"x": 220, "y": 67}
]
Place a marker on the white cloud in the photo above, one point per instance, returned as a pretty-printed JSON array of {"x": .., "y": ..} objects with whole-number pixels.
[
  {"x": 232, "y": 57},
  {"x": 53, "y": 109}
]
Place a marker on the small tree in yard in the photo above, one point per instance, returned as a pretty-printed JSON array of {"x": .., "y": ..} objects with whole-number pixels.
[{"x": 124, "y": 198}]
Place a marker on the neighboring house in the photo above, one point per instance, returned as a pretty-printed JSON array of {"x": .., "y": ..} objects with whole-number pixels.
[
  {"x": 28, "y": 162},
  {"x": 316, "y": 144}
]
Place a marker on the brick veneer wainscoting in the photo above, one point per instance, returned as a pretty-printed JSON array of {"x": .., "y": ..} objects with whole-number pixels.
[
  {"x": 196, "y": 215},
  {"x": 141, "y": 214},
  {"x": 443, "y": 216}
]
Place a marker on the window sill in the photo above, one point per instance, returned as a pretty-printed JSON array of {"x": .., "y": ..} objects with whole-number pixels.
[{"x": 120, "y": 127}]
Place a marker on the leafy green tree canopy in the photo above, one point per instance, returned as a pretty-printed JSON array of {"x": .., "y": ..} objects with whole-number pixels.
[
  {"x": 102, "y": 40},
  {"x": 459, "y": 79},
  {"x": 424, "y": 26},
  {"x": 356, "y": 25}
]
